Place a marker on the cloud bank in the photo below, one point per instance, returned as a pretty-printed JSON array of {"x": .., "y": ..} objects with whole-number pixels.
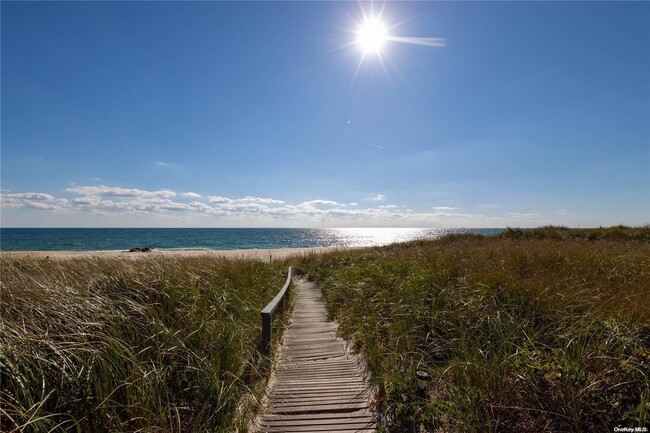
[{"x": 167, "y": 205}]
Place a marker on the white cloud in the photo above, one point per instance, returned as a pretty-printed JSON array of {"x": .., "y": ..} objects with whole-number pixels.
[
  {"x": 261, "y": 200},
  {"x": 353, "y": 204},
  {"x": 378, "y": 197},
  {"x": 200, "y": 207},
  {"x": 443, "y": 208},
  {"x": 162, "y": 164},
  {"x": 191, "y": 194},
  {"x": 32, "y": 200},
  {"x": 172, "y": 206},
  {"x": 219, "y": 199},
  {"x": 102, "y": 190},
  {"x": 320, "y": 203},
  {"x": 29, "y": 196},
  {"x": 86, "y": 201}
]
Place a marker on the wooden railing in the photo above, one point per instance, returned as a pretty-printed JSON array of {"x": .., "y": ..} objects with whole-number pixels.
[{"x": 267, "y": 313}]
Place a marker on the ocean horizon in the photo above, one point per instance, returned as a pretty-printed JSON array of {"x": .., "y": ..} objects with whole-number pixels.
[{"x": 122, "y": 239}]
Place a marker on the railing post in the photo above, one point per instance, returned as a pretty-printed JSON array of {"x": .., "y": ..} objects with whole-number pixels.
[{"x": 267, "y": 318}]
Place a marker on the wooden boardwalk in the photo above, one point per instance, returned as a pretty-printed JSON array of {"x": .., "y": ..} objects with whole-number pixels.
[{"x": 317, "y": 386}]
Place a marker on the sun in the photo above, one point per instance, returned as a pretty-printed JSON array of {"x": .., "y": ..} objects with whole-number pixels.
[{"x": 372, "y": 35}]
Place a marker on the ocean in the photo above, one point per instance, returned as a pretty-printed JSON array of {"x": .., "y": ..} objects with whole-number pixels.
[{"x": 119, "y": 239}]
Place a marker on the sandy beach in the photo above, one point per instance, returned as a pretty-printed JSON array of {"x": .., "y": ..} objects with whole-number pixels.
[{"x": 256, "y": 254}]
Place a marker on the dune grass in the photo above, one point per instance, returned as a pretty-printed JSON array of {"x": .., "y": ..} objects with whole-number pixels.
[
  {"x": 153, "y": 345},
  {"x": 545, "y": 330}
]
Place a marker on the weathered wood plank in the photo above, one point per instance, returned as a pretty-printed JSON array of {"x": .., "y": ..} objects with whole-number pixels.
[
  {"x": 309, "y": 429},
  {"x": 347, "y": 415},
  {"x": 320, "y": 428},
  {"x": 347, "y": 393},
  {"x": 315, "y": 389},
  {"x": 332, "y": 400},
  {"x": 320, "y": 421},
  {"x": 317, "y": 408}
]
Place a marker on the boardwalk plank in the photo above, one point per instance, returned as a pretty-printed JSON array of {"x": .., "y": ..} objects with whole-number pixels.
[
  {"x": 290, "y": 410},
  {"x": 349, "y": 415},
  {"x": 319, "y": 428},
  {"x": 364, "y": 421}
]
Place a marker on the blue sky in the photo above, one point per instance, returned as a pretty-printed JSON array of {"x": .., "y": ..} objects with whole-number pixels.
[{"x": 268, "y": 114}]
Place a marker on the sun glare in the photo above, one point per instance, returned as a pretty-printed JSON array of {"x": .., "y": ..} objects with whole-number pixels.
[{"x": 372, "y": 35}]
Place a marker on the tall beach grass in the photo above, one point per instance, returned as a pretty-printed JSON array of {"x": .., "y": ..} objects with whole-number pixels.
[
  {"x": 153, "y": 345},
  {"x": 545, "y": 330}
]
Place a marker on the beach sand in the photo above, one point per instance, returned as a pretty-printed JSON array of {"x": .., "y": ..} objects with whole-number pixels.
[{"x": 255, "y": 254}]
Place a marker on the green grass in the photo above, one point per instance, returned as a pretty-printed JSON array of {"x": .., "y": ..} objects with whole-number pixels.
[
  {"x": 543, "y": 330},
  {"x": 152, "y": 345},
  {"x": 615, "y": 233}
]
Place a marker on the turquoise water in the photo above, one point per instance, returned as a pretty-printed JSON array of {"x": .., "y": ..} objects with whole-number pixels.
[{"x": 107, "y": 239}]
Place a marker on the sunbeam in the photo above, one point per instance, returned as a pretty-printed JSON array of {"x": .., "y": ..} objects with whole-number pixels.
[{"x": 429, "y": 42}]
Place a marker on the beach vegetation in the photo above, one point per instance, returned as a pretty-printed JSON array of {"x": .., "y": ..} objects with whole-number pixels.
[
  {"x": 153, "y": 344},
  {"x": 543, "y": 330}
]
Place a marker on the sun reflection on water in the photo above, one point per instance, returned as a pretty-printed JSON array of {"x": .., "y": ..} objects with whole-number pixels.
[{"x": 367, "y": 237}]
